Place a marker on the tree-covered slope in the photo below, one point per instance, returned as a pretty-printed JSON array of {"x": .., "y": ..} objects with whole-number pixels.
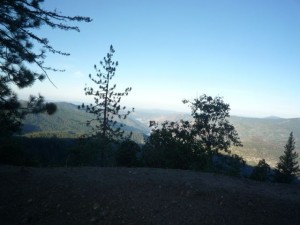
[
  {"x": 69, "y": 119},
  {"x": 262, "y": 137},
  {"x": 265, "y": 137}
]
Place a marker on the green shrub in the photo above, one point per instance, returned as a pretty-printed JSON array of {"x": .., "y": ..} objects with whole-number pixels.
[
  {"x": 92, "y": 152},
  {"x": 229, "y": 164},
  {"x": 11, "y": 152},
  {"x": 261, "y": 172},
  {"x": 126, "y": 154}
]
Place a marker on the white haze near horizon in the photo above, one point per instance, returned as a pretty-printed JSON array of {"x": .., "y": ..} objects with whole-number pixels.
[{"x": 247, "y": 52}]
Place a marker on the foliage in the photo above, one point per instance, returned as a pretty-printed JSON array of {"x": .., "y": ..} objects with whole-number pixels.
[
  {"x": 262, "y": 171},
  {"x": 46, "y": 151},
  {"x": 287, "y": 167},
  {"x": 94, "y": 151},
  {"x": 126, "y": 154},
  {"x": 69, "y": 122},
  {"x": 230, "y": 164},
  {"x": 264, "y": 137},
  {"x": 12, "y": 112},
  {"x": 172, "y": 146},
  {"x": 211, "y": 127},
  {"x": 11, "y": 152},
  {"x": 19, "y": 54},
  {"x": 54, "y": 151},
  {"x": 34, "y": 151},
  {"x": 107, "y": 102},
  {"x": 193, "y": 144}
]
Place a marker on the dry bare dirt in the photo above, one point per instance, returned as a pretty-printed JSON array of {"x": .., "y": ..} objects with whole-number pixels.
[{"x": 73, "y": 196}]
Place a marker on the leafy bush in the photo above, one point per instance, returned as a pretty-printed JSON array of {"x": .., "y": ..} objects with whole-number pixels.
[
  {"x": 51, "y": 151},
  {"x": 126, "y": 154},
  {"x": 228, "y": 164},
  {"x": 92, "y": 152},
  {"x": 11, "y": 152},
  {"x": 170, "y": 147},
  {"x": 261, "y": 172},
  {"x": 194, "y": 144}
]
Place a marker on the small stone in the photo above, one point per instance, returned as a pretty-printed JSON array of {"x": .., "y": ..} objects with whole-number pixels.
[
  {"x": 96, "y": 206},
  {"x": 250, "y": 204},
  {"x": 93, "y": 219},
  {"x": 104, "y": 213}
]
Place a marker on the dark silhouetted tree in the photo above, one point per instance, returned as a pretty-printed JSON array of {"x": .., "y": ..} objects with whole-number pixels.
[
  {"x": 107, "y": 108},
  {"x": 211, "y": 127},
  {"x": 20, "y": 51},
  {"x": 12, "y": 113},
  {"x": 126, "y": 154},
  {"x": 287, "y": 167},
  {"x": 192, "y": 144},
  {"x": 262, "y": 171},
  {"x": 170, "y": 145}
]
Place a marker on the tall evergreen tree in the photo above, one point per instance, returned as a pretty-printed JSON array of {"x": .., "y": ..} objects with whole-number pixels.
[
  {"x": 19, "y": 54},
  {"x": 107, "y": 108},
  {"x": 287, "y": 167}
]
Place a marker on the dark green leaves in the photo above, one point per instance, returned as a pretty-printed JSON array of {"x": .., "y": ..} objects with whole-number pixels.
[{"x": 194, "y": 141}]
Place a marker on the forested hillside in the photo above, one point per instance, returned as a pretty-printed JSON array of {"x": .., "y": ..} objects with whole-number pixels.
[
  {"x": 69, "y": 121},
  {"x": 262, "y": 137},
  {"x": 265, "y": 137}
]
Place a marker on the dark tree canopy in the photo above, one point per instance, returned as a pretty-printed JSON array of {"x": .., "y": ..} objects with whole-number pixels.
[
  {"x": 261, "y": 171},
  {"x": 21, "y": 50},
  {"x": 171, "y": 145},
  {"x": 287, "y": 166},
  {"x": 107, "y": 108},
  {"x": 211, "y": 126},
  {"x": 192, "y": 144}
]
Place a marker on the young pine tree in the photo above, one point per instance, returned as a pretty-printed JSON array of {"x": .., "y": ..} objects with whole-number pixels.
[
  {"x": 107, "y": 108},
  {"x": 288, "y": 166}
]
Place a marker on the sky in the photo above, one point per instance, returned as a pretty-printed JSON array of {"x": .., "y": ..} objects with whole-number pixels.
[{"x": 247, "y": 52}]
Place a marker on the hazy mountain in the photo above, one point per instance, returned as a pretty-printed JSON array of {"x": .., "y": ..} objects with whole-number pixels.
[
  {"x": 266, "y": 137},
  {"x": 262, "y": 137},
  {"x": 68, "y": 121}
]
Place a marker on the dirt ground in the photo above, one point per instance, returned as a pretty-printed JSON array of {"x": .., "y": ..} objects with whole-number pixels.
[{"x": 73, "y": 196}]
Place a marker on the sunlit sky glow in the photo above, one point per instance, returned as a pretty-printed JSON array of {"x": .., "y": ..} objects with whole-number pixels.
[{"x": 248, "y": 52}]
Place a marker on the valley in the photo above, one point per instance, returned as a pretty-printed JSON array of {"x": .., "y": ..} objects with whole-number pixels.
[{"x": 261, "y": 137}]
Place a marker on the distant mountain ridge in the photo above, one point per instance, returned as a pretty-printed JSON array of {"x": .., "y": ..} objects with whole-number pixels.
[
  {"x": 70, "y": 121},
  {"x": 262, "y": 137},
  {"x": 265, "y": 137}
]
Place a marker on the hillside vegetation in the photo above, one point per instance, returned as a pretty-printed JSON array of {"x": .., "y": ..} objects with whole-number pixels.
[
  {"x": 265, "y": 137},
  {"x": 261, "y": 137},
  {"x": 70, "y": 122}
]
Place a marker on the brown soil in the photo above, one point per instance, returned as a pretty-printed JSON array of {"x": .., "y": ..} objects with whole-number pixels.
[{"x": 73, "y": 196}]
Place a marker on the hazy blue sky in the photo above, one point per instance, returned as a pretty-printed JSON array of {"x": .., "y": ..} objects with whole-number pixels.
[{"x": 245, "y": 51}]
